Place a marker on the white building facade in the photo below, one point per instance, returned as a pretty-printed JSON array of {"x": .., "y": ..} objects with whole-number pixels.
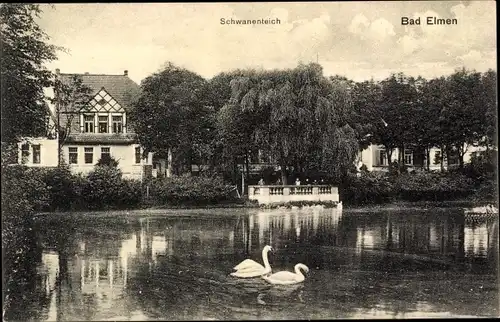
[{"x": 98, "y": 129}]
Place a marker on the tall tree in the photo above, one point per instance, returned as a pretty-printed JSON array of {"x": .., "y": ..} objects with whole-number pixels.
[
  {"x": 69, "y": 98},
  {"x": 425, "y": 118},
  {"x": 24, "y": 51},
  {"x": 463, "y": 113},
  {"x": 365, "y": 116},
  {"x": 297, "y": 116},
  {"x": 170, "y": 114},
  {"x": 490, "y": 104}
]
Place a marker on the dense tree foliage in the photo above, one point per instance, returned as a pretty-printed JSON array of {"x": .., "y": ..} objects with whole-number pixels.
[
  {"x": 294, "y": 117},
  {"x": 24, "y": 50},
  {"x": 172, "y": 114},
  {"x": 304, "y": 122}
]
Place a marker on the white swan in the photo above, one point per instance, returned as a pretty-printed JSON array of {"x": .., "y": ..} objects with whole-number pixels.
[
  {"x": 287, "y": 278},
  {"x": 250, "y": 268}
]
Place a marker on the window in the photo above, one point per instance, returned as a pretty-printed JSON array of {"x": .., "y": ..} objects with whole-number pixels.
[
  {"x": 382, "y": 158},
  {"x": 25, "y": 152},
  {"x": 408, "y": 157},
  {"x": 103, "y": 124},
  {"x": 118, "y": 124},
  {"x": 89, "y": 123},
  {"x": 36, "y": 154},
  {"x": 137, "y": 155},
  {"x": 437, "y": 157},
  {"x": 105, "y": 153},
  {"x": 89, "y": 155},
  {"x": 73, "y": 155}
]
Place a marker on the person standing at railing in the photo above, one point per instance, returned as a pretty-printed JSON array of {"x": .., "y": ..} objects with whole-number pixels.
[
  {"x": 261, "y": 182},
  {"x": 278, "y": 182},
  {"x": 297, "y": 182}
]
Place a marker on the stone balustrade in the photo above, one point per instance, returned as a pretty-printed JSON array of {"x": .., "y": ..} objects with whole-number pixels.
[{"x": 289, "y": 193}]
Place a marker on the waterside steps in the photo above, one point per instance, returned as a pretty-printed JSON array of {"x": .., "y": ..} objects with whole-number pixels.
[{"x": 294, "y": 195}]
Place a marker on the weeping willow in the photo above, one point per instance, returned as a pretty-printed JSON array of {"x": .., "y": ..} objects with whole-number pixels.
[{"x": 298, "y": 117}]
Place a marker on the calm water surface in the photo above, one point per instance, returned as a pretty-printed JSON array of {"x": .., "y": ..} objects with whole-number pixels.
[{"x": 387, "y": 264}]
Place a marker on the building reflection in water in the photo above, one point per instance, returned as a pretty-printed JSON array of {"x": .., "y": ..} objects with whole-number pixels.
[
  {"x": 441, "y": 235},
  {"x": 270, "y": 227},
  {"x": 102, "y": 267},
  {"x": 50, "y": 270},
  {"x": 478, "y": 238}
]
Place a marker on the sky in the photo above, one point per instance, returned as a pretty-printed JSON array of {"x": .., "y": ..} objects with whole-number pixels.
[{"x": 359, "y": 40}]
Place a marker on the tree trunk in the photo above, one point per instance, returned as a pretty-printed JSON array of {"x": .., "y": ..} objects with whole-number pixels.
[
  {"x": 460, "y": 160},
  {"x": 247, "y": 166},
  {"x": 388, "y": 151},
  {"x": 441, "y": 161},
  {"x": 235, "y": 171},
  {"x": 461, "y": 153},
  {"x": 428, "y": 158},
  {"x": 448, "y": 156},
  {"x": 284, "y": 174}
]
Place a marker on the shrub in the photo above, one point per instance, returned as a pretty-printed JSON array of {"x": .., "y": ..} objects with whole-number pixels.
[
  {"x": 432, "y": 186},
  {"x": 369, "y": 187},
  {"x": 187, "y": 190},
  {"x": 483, "y": 167},
  {"x": 104, "y": 188},
  {"x": 107, "y": 160},
  {"x": 61, "y": 184},
  {"x": 130, "y": 194},
  {"x": 23, "y": 192}
]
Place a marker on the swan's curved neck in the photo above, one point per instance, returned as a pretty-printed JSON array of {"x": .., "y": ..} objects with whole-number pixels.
[
  {"x": 298, "y": 271},
  {"x": 265, "y": 259}
]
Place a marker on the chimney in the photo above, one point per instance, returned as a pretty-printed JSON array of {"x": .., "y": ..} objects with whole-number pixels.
[
  {"x": 58, "y": 71},
  {"x": 125, "y": 72}
]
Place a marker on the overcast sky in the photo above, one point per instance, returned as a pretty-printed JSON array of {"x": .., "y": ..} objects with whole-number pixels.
[{"x": 359, "y": 40}]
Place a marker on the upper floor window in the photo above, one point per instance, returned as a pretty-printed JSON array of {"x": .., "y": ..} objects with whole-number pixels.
[
  {"x": 117, "y": 124},
  {"x": 103, "y": 124},
  {"x": 36, "y": 154},
  {"x": 89, "y": 123},
  {"x": 103, "y": 115}
]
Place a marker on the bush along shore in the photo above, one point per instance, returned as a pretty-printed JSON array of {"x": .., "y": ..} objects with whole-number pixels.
[{"x": 57, "y": 189}]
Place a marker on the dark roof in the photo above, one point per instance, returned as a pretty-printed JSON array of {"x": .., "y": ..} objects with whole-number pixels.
[
  {"x": 123, "y": 89},
  {"x": 123, "y": 138}
]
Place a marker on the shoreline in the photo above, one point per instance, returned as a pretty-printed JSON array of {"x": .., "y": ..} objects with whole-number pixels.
[{"x": 224, "y": 209}]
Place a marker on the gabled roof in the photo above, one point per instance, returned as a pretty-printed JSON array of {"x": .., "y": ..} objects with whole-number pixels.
[{"x": 120, "y": 87}]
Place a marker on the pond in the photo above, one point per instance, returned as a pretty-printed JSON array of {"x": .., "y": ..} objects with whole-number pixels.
[{"x": 175, "y": 266}]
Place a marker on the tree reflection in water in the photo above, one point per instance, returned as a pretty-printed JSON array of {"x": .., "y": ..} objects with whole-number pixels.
[{"x": 99, "y": 268}]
